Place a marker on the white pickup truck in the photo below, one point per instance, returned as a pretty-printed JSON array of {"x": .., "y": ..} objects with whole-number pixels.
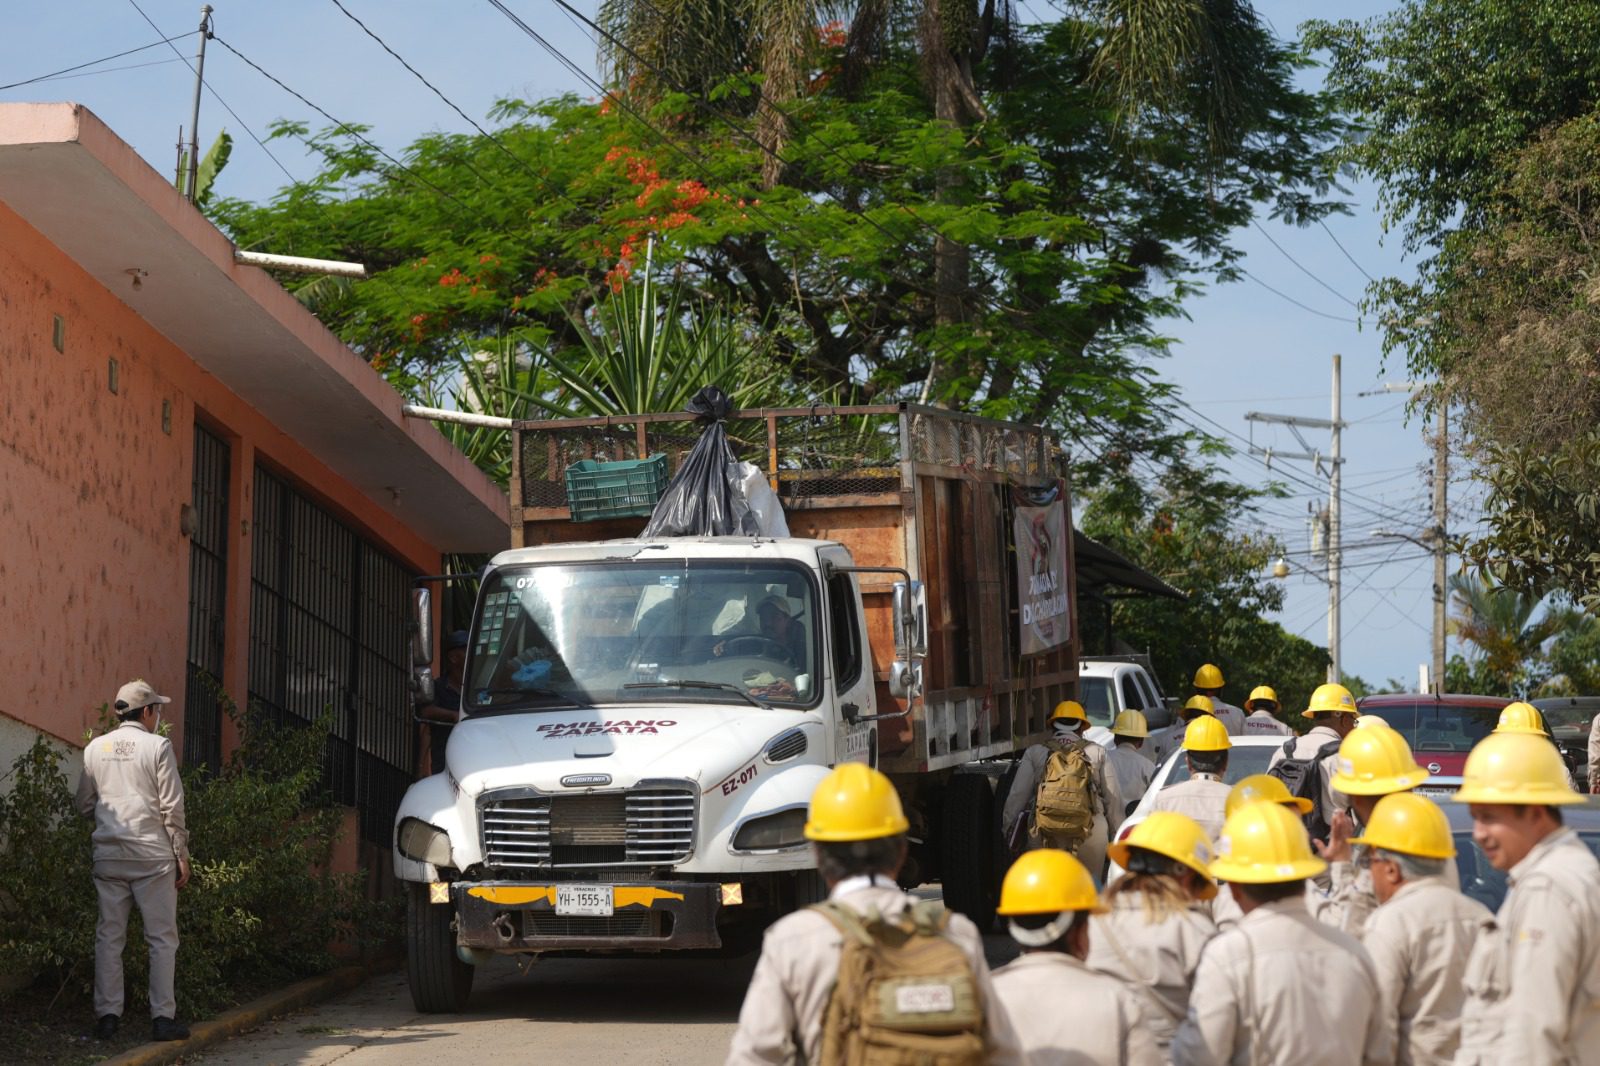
[
  {"x": 1108, "y": 685},
  {"x": 644, "y": 721}
]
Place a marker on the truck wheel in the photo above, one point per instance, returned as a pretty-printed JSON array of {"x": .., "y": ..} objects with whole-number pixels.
[
  {"x": 967, "y": 860},
  {"x": 439, "y": 980}
]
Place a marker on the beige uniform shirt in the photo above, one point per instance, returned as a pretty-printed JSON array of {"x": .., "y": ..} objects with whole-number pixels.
[
  {"x": 1350, "y": 901},
  {"x": 1202, "y": 797},
  {"x": 1419, "y": 942},
  {"x": 1306, "y": 747},
  {"x": 131, "y": 788},
  {"x": 1230, "y": 716},
  {"x": 1156, "y": 959},
  {"x": 1594, "y": 754},
  {"x": 1066, "y": 1014},
  {"x": 781, "y": 1020},
  {"x": 1128, "y": 774},
  {"x": 1281, "y": 988},
  {"x": 1264, "y": 724},
  {"x": 1533, "y": 980}
]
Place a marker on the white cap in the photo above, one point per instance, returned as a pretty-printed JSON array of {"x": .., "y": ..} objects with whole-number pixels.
[{"x": 137, "y": 694}]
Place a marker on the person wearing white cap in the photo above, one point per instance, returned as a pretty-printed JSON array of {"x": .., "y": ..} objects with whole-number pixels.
[{"x": 131, "y": 788}]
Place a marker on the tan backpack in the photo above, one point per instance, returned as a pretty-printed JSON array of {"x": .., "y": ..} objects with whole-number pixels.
[
  {"x": 1063, "y": 806},
  {"x": 905, "y": 995}
]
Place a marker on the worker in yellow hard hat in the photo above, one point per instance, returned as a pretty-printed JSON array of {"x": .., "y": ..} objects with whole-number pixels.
[
  {"x": 1521, "y": 718},
  {"x": 1315, "y": 984},
  {"x": 1200, "y": 793},
  {"x": 1157, "y": 917},
  {"x": 1533, "y": 982},
  {"x": 1423, "y": 930},
  {"x": 1128, "y": 772},
  {"x": 1047, "y": 898},
  {"x": 858, "y": 832},
  {"x": 1311, "y": 757},
  {"x": 1059, "y": 795},
  {"x": 1208, "y": 683},
  {"x": 1263, "y": 718},
  {"x": 1264, "y": 788}
]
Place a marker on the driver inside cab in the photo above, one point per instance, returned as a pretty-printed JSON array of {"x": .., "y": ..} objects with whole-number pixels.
[{"x": 780, "y": 630}]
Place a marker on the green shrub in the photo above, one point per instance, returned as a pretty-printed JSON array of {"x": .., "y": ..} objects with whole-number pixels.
[{"x": 257, "y": 910}]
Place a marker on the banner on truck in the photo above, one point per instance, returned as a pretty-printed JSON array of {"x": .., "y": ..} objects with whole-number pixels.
[{"x": 1041, "y": 539}]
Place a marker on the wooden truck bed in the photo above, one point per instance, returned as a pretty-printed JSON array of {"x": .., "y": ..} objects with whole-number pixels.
[{"x": 899, "y": 485}]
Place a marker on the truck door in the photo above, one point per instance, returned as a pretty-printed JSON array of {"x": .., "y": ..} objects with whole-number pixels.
[{"x": 850, "y": 680}]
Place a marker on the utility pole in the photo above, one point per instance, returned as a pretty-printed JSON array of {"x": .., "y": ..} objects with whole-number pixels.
[
  {"x": 194, "y": 118},
  {"x": 1335, "y": 463},
  {"x": 1441, "y": 546},
  {"x": 1335, "y": 558}
]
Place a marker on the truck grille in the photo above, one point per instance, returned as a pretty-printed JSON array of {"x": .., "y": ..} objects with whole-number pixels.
[{"x": 646, "y": 826}]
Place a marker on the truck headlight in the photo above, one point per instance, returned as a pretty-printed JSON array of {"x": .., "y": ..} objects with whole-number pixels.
[
  {"x": 421, "y": 842},
  {"x": 786, "y": 829}
]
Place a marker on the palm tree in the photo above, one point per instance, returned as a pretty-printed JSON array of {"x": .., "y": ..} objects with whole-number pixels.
[{"x": 1499, "y": 622}]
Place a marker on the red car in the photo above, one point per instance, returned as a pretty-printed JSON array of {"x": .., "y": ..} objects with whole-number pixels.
[{"x": 1441, "y": 729}]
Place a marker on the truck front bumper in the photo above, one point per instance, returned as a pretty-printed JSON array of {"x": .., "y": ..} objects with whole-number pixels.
[{"x": 521, "y": 916}]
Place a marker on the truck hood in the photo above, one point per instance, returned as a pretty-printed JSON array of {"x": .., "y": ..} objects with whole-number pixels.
[{"x": 697, "y": 742}]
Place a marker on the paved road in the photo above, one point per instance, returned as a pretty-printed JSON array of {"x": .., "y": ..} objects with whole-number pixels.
[{"x": 592, "y": 1012}]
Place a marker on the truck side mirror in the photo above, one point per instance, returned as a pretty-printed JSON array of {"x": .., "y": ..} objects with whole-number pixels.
[
  {"x": 421, "y": 686},
  {"x": 421, "y": 627},
  {"x": 905, "y": 679},
  {"x": 910, "y": 621}
]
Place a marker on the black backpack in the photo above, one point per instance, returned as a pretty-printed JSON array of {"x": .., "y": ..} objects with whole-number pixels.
[{"x": 1303, "y": 777}]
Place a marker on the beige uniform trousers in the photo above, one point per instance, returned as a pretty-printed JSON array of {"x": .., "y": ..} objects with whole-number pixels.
[
  {"x": 1419, "y": 942},
  {"x": 1202, "y": 797},
  {"x": 1157, "y": 959},
  {"x": 1533, "y": 981},
  {"x": 781, "y": 1020},
  {"x": 1066, "y": 1014},
  {"x": 153, "y": 886},
  {"x": 1282, "y": 989},
  {"x": 1025, "y": 786}
]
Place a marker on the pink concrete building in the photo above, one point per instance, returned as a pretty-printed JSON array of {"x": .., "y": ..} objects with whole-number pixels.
[{"x": 196, "y": 478}]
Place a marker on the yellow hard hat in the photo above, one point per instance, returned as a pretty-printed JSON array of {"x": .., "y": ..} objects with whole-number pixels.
[
  {"x": 1203, "y": 704},
  {"x": 1375, "y": 760},
  {"x": 1208, "y": 676},
  {"x": 1263, "y": 788},
  {"x": 855, "y": 802},
  {"x": 1371, "y": 719},
  {"x": 1331, "y": 699},
  {"x": 1130, "y": 724},
  {"x": 1048, "y": 881},
  {"x": 1177, "y": 836},
  {"x": 1516, "y": 768},
  {"x": 1068, "y": 709},
  {"x": 1263, "y": 844},
  {"x": 1260, "y": 692},
  {"x": 1521, "y": 718},
  {"x": 1411, "y": 825},
  {"x": 1206, "y": 733}
]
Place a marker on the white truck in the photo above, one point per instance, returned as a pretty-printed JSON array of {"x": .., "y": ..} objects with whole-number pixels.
[
  {"x": 1110, "y": 684},
  {"x": 644, "y": 720}
]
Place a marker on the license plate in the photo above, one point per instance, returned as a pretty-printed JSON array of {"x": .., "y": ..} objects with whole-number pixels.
[
  {"x": 1426, "y": 790},
  {"x": 592, "y": 900}
]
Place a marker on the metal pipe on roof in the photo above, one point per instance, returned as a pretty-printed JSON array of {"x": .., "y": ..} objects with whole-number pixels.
[
  {"x": 299, "y": 264},
  {"x": 465, "y": 418}
]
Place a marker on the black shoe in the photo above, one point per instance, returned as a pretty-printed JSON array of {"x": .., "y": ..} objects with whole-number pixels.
[
  {"x": 168, "y": 1029},
  {"x": 106, "y": 1026}
]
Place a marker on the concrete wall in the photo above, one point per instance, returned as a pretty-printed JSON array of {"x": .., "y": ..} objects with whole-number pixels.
[{"x": 94, "y": 570}]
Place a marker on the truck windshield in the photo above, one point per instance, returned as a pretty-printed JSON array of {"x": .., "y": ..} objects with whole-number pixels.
[{"x": 630, "y": 632}]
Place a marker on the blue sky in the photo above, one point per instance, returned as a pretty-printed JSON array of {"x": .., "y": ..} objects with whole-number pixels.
[{"x": 1242, "y": 348}]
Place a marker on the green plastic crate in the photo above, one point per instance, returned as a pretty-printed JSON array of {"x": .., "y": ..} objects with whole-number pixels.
[{"x": 625, "y": 489}]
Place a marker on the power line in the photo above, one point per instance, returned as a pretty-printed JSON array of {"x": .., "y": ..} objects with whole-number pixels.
[
  {"x": 1297, "y": 303},
  {"x": 102, "y": 59},
  {"x": 218, "y": 96},
  {"x": 110, "y": 70},
  {"x": 1302, "y": 267},
  {"x": 1341, "y": 248}
]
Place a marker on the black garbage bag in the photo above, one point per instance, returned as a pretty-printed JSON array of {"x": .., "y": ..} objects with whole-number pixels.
[{"x": 704, "y": 498}]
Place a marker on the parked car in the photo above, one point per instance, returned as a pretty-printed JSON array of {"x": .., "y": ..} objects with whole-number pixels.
[
  {"x": 1486, "y": 884},
  {"x": 1249, "y": 755},
  {"x": 1113, "y": 683},
  {"x": 1441, "y": 729},
  {"x": 1569, "y": 719}
]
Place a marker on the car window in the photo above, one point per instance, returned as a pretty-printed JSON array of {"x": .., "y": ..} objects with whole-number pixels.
[
  {"x": 1150, "y": 697},
  {"x": 1482, "y": 881},
  {"x": 1096, "y": 696},
  {"x": 1438, "y": 726},
  {"x": 1242, "y": 762},
  {"x": 1131, "y": 697}
]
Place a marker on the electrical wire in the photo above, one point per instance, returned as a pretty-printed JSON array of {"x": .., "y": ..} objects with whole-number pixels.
[
  {"x": 216, "y": 95},
  {"x": 109, "y": 70},
  {"x": 1341, "y": 248},
  {"x": 103, "y": 59},
  {"x": 1302, "y": 267},
  {"x": 1297, "y": 303}
]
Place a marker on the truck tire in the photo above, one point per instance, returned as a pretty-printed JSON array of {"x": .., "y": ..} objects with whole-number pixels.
[
  {"x": 968, "y": 852},
  {"x": 439, "y": 980}
]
